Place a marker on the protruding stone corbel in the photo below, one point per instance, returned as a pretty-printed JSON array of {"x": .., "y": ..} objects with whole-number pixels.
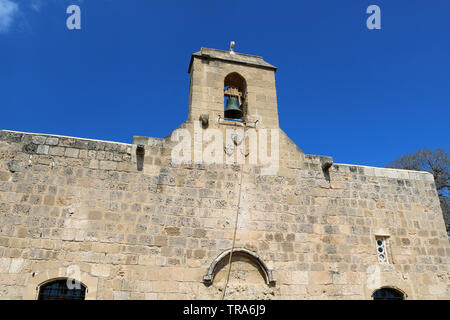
[
  {"x": 140, "y": 150},
  {"x": 326, "y": 163},
  {"x": 204, "y": 119},
  {"x": 140, "y": 153}
]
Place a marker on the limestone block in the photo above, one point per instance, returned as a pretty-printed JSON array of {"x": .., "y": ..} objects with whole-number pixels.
[
  {"x": 151, "y": 296},
  {"x": 38, "y": 139},
  {"x": 4, "y": 265},
  {"x": 71, "y": 152},
  {"x": 95, "y": 215},
  {"x": 121, "y": 295},
  {"x": 339, "y": 278},
  {"x": 319, "y": 277},
  {"x": 300, "y": 277},
  {"x": 16, "y": 265},
  {"x": 4, "y": 176},
  {"x": 100, "y": 270},
  {"x": 51, "y": 141},
  {"x": 42, "y": 149},
  {"x": 56, "y": 151},
  {"x": 438, "y": 290}
]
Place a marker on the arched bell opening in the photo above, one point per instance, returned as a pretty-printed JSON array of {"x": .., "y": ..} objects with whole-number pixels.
[
  {"x": 222, "y": 260},
  {"x": 235, "y": 91}
]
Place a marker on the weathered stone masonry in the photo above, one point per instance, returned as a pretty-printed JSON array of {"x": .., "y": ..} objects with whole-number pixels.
[{"x": 154, "y": 233}]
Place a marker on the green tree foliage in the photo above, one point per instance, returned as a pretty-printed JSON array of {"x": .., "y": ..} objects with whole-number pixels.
[{"x": 437, "y": 163}]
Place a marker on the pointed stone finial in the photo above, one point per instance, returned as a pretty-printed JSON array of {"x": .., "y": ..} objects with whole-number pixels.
[{"x": 232, "y": 47}]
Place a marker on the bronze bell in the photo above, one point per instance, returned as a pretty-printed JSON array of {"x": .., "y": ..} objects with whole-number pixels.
[{"x": 232, "y": 109}]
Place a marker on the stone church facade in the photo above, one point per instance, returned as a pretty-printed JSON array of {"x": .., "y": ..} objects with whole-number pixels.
[{"x": 130, "y": 222}]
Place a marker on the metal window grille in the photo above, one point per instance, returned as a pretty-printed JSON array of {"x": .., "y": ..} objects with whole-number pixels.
[
  {"x": 388, "y": 294},
  {"x": 58, "y": 290},
  {"x": 382, "y": 250}
]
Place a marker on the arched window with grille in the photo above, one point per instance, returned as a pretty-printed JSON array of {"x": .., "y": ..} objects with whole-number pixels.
[
  {"x": 62, "y": 289},
  {"x": 388, "y": 294}
]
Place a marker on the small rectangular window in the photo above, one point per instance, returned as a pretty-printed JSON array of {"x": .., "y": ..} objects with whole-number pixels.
[{"x": 382, "y": 249}]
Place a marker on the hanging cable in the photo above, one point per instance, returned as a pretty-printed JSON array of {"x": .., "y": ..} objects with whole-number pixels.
[
  {"x": 236, "y": 222},
  {"x": 234, "y": 235}
]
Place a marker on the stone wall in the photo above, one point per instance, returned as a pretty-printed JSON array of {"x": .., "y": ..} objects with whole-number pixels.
[{"x": 152, "y": 234}]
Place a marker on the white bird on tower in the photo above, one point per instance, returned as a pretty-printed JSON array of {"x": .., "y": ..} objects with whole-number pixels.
[{"x": 232, "y": 47}]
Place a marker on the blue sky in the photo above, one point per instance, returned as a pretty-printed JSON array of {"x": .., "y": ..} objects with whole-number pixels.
[{"x": 361, "y": 96}]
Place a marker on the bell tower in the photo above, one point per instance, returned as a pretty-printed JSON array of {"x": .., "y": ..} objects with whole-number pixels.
[{"x": 229, "y": 86}]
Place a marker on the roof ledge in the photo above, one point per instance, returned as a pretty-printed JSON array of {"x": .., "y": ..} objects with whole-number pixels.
[{"x": 240, "y": 58}]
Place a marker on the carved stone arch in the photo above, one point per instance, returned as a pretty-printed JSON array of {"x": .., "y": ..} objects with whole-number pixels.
[
  {"x": 208, "y": 278},
  {"x": 235, "y": 79},
  {"x": 47, "y": 281}
]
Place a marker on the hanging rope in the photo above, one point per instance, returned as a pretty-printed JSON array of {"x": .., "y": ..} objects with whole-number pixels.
[
  {"x": 236, "y": 222},
  {"x": 234, "y": 235}
]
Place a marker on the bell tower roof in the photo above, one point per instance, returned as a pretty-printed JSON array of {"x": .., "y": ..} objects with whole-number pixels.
[{"x": 231, "y": 56}]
